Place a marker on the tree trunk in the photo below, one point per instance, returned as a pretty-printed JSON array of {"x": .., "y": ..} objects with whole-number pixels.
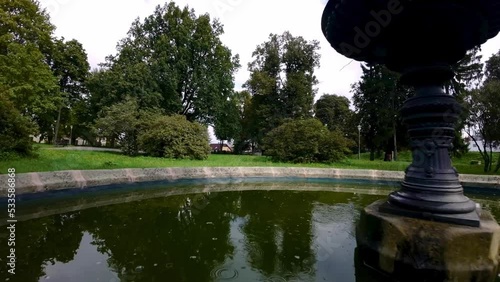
[
  {"x": 486, "y": 162},
  {"x": 395, "y": 144},
  {"x": 372, "y": 154},
  {"x": 50, "y": 137},
  {"x": 498, "y": 164},
  {"x": 388, "y": 150},
  {"x": 57, "y": 124},
  {"x": 388, "y": 156},
  {"x": 491, "y": 158}
]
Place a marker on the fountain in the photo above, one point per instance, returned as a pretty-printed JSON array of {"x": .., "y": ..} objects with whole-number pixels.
[{"x": 428, "y": 230}]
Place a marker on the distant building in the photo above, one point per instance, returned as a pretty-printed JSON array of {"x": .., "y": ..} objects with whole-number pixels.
[{"x": 218, "y": 148}]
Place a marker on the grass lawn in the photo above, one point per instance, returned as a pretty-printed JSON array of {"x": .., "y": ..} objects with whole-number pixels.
[{"x": 52, "y": 160}]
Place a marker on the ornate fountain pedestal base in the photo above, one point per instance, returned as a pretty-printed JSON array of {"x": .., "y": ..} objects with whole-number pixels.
[{"x": 411, "y": 249}]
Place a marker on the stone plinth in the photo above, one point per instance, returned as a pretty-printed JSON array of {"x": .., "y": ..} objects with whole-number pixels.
[{"x": 409, "y": 249}]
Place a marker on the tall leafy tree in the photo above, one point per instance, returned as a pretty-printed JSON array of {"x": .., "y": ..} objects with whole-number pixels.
[
  {"x": 25, "y": 46},
  {"x": 484, "y": 120},
  {"x": 282, "y": 80},
  {"x": 492, "y": 73},
  {"x": 377, "y": 99},
  {"x": 248, "y": 125},
  {"x": 124, "y": 122},
  {"x": 468, "y": 75},
  {"x": 333, "y": 111},
  {"x": 174, "y": 60},
  {"x": 482, "y": 123},
  {"x": 70, "y": 65},
  {"x": 228, "y": 126},
  {"x": 26, "y": 80},
  {"x": 492, "y": 67}
]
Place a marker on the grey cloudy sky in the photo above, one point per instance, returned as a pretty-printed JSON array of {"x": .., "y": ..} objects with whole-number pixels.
[{"x": 100, "y": 24}]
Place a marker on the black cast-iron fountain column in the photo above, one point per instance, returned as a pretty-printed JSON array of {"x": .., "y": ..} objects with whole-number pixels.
[
  {"x": 421, "y": 39},
  {"x": 431, "y": 188}
]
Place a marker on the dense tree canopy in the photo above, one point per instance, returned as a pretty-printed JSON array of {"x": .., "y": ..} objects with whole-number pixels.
[
  {"x": 492, "y": 67},
  {"x": 484, "y": 119},
  {"x": 14, "y": 131},
  {"x": 173, "y": 60},
  {"x": 333, "y": 111},
  {"x": 483, "y": 115},
  {"x": 468, "y": 75},
  {"x": 377, "y": 99},
  {"x": 25, "y": 47},
  {"x": 121, "y": 121},
  {"x": 282, "y": 81},
  {"x": 70, "y": 65},
  {"x": 228, "y": 125}
]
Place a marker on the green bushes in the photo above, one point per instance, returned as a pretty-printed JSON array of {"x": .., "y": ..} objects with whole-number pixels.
[
  {"x": 175, "y": 137},
  {"x": 153, "y": 132},
  {"x": 305, "y": 141},
  {"x": 15, "y": 130}
]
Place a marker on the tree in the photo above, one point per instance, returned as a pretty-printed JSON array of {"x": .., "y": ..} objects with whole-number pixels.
[
  {"x": 492, "y": 67},
  {"x": 121, "y": 121},
  {"x": 174, "y": 137},
  {"x": 305, "y": 141},
  {"x": 102, "y": 85},
  {"x": 468, "y": 74},
  {"x": 245, "y": 140},
  {"x": 492, "y": 73},
  {"x": 227, "y": 126},
  {"x": 70, "y": 65},
  {"x": 498, "y": 162},
  {"x": 282, "y": 81},
  {"x": 173, "y": 60},
  {"x": 14, "y": 130},
  {"x": 333, "y": 111},
  {"x": 377, "y": 99},
  {"x": 484, "y": 120},
  {"x": 25, "y": 47}
]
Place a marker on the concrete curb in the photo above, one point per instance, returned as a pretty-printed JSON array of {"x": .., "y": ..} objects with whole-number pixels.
[{"x": 27, "y": 183}]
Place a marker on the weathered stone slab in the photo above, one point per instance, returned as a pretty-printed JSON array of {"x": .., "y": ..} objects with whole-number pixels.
[{"x": 411, "y": 249}]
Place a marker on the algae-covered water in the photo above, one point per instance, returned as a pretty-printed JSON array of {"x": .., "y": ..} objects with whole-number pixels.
[{"x": 274, "y": 233}]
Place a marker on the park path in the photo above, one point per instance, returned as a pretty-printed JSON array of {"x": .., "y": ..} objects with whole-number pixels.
[{"x": 82, "y": 148}]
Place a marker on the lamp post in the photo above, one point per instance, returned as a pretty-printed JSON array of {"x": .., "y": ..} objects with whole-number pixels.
[{"x": 359, "y": 142}]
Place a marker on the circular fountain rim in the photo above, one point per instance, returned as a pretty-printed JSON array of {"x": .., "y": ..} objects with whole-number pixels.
[{"x": 79, "y": 180}]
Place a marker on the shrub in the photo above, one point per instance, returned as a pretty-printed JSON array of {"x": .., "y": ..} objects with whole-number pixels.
[
  {"x": 174, "y": 137},
  {"x": 15, "y": 130},
  {"x": 305, "y": 141},
  {"x": 120, "y": 121}
]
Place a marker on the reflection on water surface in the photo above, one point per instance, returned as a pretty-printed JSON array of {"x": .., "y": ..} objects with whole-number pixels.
[{"x": 225, "y": 236}]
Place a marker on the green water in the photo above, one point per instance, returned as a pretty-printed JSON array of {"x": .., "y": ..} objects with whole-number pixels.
[{"x": 226, "y": 236}]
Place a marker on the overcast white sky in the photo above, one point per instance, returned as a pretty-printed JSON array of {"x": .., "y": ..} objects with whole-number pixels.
[{"x": 100, "y": 24}]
